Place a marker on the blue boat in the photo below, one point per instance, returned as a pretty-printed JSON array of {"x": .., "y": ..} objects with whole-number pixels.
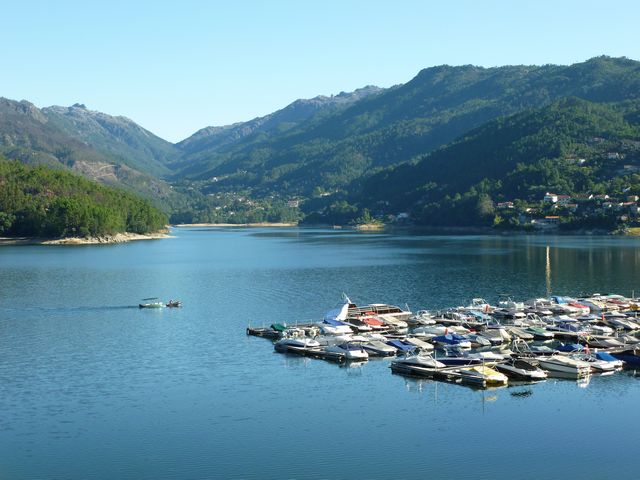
[
  {"x": 631, "y": 357},
  {"x": 402, "y": 347},
  {"x": 607, "y": 357}
]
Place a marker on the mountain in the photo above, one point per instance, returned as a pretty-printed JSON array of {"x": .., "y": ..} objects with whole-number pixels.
[
  {"x": 328, "y": 150},
  {"x": 212, "y": 144},
  {"x": 572, "y": 146},
  {"x": 35, "y": 136},
  {"x": 115, "y": 137}
]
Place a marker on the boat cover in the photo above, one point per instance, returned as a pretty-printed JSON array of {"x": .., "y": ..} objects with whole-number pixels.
[
  {"x": 339, "y": 313},
  {"x": 607, "y": 357},
  {"x": 400, "y": 345},
  {"x": 278, "y": 327},
  {"x": 570, "y": 347}
]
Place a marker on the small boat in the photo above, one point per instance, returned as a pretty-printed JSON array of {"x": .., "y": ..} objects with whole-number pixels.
[
  {"x": 416, "y": 364},
  {"x": 377, "y": 348},
  {"x": 560, "y": 363},
  {"x": 522, "y": 370},
  {"x": 452, "y": 339},
  {"x": 456, "y": 357},
  {"x": 334, "y": 327},
  {"x": 152, "y": 302},
  {"x": 569, "y": 347},
  {"x": 478, "y": 340},
  {"x": 174, "y": 304},
  {"x": 539, "y": 333},
  {"x": 295, "y": 344},
  {"x": 631, "y": 356},
  {"x": 422, "y": 317},
  {"x": 346, "y": 351},
  {"x": 497, "y": 335},
  {"x": 519, "y": 332},
  {"x": 597, "y": 365},
  {"x": 483, "y": 375},
  {"x": 607, "y": 357},
  {"x": 420, "y": 344},
  {"x": 435, "y": 330},
  {"x": 604, "y": 342},
  {"x": 401, "y": 346}
]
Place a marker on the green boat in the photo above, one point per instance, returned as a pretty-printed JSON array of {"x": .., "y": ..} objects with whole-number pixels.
[{"x": 152, "y": 302}]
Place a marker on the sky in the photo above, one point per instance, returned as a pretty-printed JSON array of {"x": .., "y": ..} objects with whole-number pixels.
[{"x": 175, "y": 67}]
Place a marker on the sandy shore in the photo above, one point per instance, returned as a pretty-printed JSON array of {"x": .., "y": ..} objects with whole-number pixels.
[
  {"x": 263, "y": 224},
  {"x": 104, "y": 240}
]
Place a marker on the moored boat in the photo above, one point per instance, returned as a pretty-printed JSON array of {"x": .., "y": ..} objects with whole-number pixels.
[
  {"x": 483, "y": 375},
  {"x": 563, "y": 364},
  {"x": 522, "y": 369}
]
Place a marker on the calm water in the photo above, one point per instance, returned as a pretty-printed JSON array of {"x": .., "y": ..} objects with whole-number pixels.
[{"x": 93, "y": 387}]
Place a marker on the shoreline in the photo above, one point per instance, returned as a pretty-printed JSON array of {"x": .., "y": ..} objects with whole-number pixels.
[
  {"x": 250, "y": 225},
  {"x": 102, "y": 240}
]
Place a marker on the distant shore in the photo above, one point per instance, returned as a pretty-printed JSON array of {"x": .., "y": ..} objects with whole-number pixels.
[
  {"x": 101, "y": 240},
  {"x": 260, "y": 224}
]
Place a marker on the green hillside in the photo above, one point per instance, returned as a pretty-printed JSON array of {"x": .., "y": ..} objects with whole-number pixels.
[
  {"x": 327, "y": 151},
  {"x": 571, "y": 147},
  {"x": 44, "y": 202}
]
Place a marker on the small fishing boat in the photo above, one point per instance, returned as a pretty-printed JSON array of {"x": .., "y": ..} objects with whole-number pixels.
[
  {"x": 152, "y": 302},
  {"x": 174, "y": 304},
  {"x": 522, "y": 369}
]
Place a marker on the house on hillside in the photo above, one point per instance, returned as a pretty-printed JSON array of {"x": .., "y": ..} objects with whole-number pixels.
[{"x": 550, "y": 198}]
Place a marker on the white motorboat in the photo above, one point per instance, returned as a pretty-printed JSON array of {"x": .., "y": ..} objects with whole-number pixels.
[
  {"x": 377, "y": 348},
  {"x": 349, "y": 351},
  {"x": 421, "y": 344},
  {"x": 564, "y": 364},
  {"x": 416, "y": 364},
  {"x": 422, "y": 317},
  {"x": 522, "y": 370},
  {"x": 333, "y": 323},
  {"x": 436, "y": 330},
  {"x": 296, "y": 344},
  {"x": 519, "y": 332},
  {"x": 596, "y": 364},
  {"x": 497, "y": 335},
  {"x": 478, "y": 340}
]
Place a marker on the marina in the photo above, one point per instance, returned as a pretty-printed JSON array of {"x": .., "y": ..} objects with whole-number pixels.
[{"x": 542, "y": 344}]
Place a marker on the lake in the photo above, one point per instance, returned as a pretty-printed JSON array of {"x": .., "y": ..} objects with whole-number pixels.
[{"x": 93, "y": 387}]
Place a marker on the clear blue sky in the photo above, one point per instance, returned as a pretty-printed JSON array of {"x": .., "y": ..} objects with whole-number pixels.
[{"x": 175, "y": 67}]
